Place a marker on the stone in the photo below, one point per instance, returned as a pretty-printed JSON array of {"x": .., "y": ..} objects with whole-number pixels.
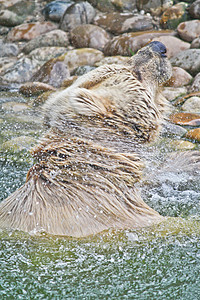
[
  {"x": 14, "y": 106},
  {"x": 8, "y": 49},
  {"x": 192, "y": 105},
  {"x": 195, "y": 43},
  {"x": 6, "y": 63},
  {"x": 124, "y": 5},
  {"x": 182, "y": 145},
  {"x": 18, "y": 144},
  {"x": 196, "y": 84},
  {"x": 171, "y": 93},
  {"x": 188, "y": 60},
  {"x": 194, "y": 134},
  {"x": 81, "y": 71},
  {"x": 127, "y": 44},
  {"x": 179, "y": 78},
  {"x": 35, "y": 88},
  {"x": 189, "y": 30},
  {"x": 54, "y": 38},
  {"x": 89, "y": 36},
  {"x": 113, "y": 60},
  {"x": 118, "y": 23},
  {"x": 173, "y": 44},
  {"x": 52, "y": 72},
  {"x": 155, "y": 7},
  {"x": 55, "y": 10},
  {"x": 183, "y": 118},
  {"x": 194, "y": 9},
  {"x": 105, "y": 5},
  {"x": 42, "y": 55},
  {"x": 174, "y": 15},
  {"x": 10, "y": 19},
  {"x": 172, "y": 130},
  {"x": 30, "y": 30},
  {"x": 77, "y": 14},
  {"x": 23, "y": 8}
]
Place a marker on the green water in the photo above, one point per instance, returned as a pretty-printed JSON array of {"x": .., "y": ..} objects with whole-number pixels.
[{"x": 162, "y": 262}]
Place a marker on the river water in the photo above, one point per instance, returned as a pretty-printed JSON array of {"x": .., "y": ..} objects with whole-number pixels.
[{"x": 162, "y": 262}]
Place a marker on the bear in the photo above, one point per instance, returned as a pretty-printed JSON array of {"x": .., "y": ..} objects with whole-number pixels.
[{"x": 88, "y": 164}]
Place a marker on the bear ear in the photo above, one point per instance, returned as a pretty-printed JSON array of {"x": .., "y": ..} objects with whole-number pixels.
[{"x": 85, "y": 102}]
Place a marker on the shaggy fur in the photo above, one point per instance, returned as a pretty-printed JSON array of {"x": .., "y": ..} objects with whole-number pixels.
[{"x": 84, "y": 181}]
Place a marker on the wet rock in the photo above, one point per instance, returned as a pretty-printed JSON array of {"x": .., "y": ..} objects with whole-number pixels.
[
  {"x": 194, "y": 9},
  {"x": 89, "y": 36},
  {"x": 173, "y": 44},
  {"x": 35, "y": 88},
  {"x": 118, "y": 23},
  {"x": 194, "y": 134},
  {"x": 172, "y": 93},
  {"x": 52, "y": 72},
  {"x": 18, "y": 144},
  {"x": 55, "y": 10},
  {"x": 192, "y": 105},
  {"x": 188, "y": 60},
  {"x": 14, "y": 106},
  {"x": 189, "y": 30},
  {"x": 30, "y": 30},
  {"x": 184, "y": 118},
  {"x": 195, "y": 43},
  {"x": 128, "y": 43},
  {"x": 10, "y": 19},
  {"x": 154, "y": 6},
  {"x": 182, "y": 145},
  {"x": 174, "y": 15},
  {"x": 53, "y": 38},
  {"x": 196, "y": 84},
  {"x": 81, "y": 57},
  {"x": 77, "y": 14},
  {"x": 8, "y": 49},
  {"x": 179, "y": 78}
]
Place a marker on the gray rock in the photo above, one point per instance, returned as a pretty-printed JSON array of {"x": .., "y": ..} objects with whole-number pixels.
[
  {"x": 9, "y": 18},
  {"x": 189, "y": 60},
  {"x": 195, "y": 43},
  {"x": 55, "y": 10},
  {"x": 189, "y": 30},
  {"x": 77, "y": 14},
  {"x": 194, "y": 9},
  {"x": 154, "y": 6},
  {"x": 192, "y": 105},
  {"x": 54, "y": 38},
  {"x": 46, "y": 53},
  {"x": 195, "y": 87},
  {"x": 8, "y": 49},
  {"x": 169, "y": 129}
]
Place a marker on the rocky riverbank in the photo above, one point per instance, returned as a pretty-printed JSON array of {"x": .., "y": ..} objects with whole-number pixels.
[{"x": 46, "y": 45}]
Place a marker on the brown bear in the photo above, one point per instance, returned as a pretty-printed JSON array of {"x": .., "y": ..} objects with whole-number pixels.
[{"x": 84, "y": 180}]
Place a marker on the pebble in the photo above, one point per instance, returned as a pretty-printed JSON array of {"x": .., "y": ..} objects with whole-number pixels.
[
  {"x": 35, "y": 88},
  {"x": 118, "y": 23},
  {"x": 179, "y": 78},
  {"x": 8, "y": 49},
  {"x": 194, "y": 9},
  {"x": 192, "y": 105},
  {"x": 171, "y": 93},
  {"x": 89, "y": 36},
  {"x": 77, "y": 14},
  {"x": 194, "y": 134},
  {"x": 55, "y": 10},
  {"x": 14, "y": 106},
  {"x": 182, "y": 145},
  {"x": 30, "y": 30},
  {"x": 195, "y": 87},
  {"x": 189, "y": 30},
  {"x": 155, "y": 7},
  {"x": 183, "y": 118},
  {"x": 42, "y": 55},
  {"x": 195, "y": 43},
  {"x": 9, "y": 18},
  {"x": 188, "y": 60},
  {"x": 18, "y": 144},
  {"x": 53, "y": 38}
]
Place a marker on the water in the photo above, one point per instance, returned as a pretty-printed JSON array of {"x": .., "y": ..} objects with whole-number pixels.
[{"x": 162, "y": 262}]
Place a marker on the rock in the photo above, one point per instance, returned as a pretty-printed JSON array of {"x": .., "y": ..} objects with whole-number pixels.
[
  {"x": 195, "y": 43},
  {"x": 171, "y": 93},
  {"x": 124, "y": 5},
  {"x": 155, "y": 7},
  {"x": 10, "y": 19},
  {"x": 189, "y": 30},
  {"x": 81, "y": 71},
  {"x": 67, "y": 82},
  {"x": 52, "y": 72},
  {"x": 8, "y": 49},
  {"x": 14, "y": 106},
  {"x": 113, "y": 60},
  {"x": 54, "y": 10},
  {"x": 30, "y": 30},
  {"x": 194, "y": 9},
  {"x": 118, "y": 23},
  {"x": 6, "y": 63},
  {"x": 23, "y": 8},
  {"x": 169, "y": 129},
  {"x": 106, "y": 5},
  {"x": 35, "y": 88},
  {"x": 179, "y": 78},
  {"x": 42, "y": 55},
  {"x": 174, "y": 15},
  {"x": 196, "y": 84},
  {"x": 127, "y": 44},
  {"x": 77, "y": 14},
  {"x": 89, "y": 36},
  {"x": 194, "y": 134},
  {"x": 192, "y": 105},
  {"x": 182, "y": 145},
  {"x": 18, "y": 144},
  {"x": 54, "y": 38},
  {"x": 184, "y": 118},
  {"x": 173, "y": 44},
  {"x": 188, "y": 60}
]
